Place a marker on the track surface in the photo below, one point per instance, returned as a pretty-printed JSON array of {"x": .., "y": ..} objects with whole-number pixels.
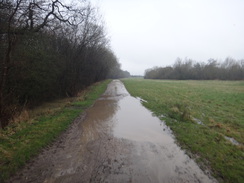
[{"x": 117, "y": 140}]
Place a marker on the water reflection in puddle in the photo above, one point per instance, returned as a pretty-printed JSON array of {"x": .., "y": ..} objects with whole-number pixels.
[{"x": 135, "y": 122}]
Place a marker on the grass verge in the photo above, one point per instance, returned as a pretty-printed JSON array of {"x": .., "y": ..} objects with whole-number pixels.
[
  {"x": 21, "y": 141},
  {"x": 202, "y": 115}
]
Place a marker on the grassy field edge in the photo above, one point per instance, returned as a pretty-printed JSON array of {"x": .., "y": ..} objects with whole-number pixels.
[
  {"x": 182, "y": 104},
  {"x": 21, "y": 141}
]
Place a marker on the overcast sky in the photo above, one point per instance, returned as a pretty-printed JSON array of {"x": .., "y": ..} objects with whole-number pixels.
[{"x": 147, "y": 33}]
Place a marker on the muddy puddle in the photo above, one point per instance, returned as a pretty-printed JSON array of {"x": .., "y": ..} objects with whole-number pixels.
[{"x": 118, "y": 140}]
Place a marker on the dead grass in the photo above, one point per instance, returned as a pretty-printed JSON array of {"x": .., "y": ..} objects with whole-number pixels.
[{"x": 47, "y": 108}]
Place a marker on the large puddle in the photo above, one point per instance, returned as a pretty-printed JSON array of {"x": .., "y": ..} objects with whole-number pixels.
[
  {"x": 135, "y": 122},
  {"x": 153, "y": 155}
]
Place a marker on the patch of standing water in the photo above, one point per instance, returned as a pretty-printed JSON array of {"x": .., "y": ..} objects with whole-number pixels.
[
  {"x": 198, "y": 121},
  {"x": 141, "y": 100},
  {"x": 162, "y": 116},
  {"x": 232, "y": 140},
  {"x": 135, "y": 122}
]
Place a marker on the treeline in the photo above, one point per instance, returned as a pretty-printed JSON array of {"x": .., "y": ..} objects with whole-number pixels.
[
  {"x": 229, "y": 69},
  {"x": 49, "y": 49}
]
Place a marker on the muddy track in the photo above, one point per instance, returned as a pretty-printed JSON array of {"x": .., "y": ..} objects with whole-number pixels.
[{"x": 116, "y": 140}]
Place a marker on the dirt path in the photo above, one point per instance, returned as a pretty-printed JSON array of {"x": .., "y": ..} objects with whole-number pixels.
[{"x": 117, "y": 140}]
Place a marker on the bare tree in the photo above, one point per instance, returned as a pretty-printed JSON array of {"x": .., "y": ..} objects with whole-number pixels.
[
  {"x": 23, "y": 17},
  {"x": 230, "y": 69}
]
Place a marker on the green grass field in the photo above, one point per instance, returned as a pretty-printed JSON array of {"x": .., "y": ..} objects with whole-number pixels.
[
  {"x": 202, "y": 114},
  {"x": 21, "y": 141}
]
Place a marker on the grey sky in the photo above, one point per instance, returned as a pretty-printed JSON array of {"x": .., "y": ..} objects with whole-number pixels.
[{"x": 147, "y": 33}]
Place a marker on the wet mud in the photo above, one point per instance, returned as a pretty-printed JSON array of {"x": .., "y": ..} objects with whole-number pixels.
[{"x": 116, "y": 140}]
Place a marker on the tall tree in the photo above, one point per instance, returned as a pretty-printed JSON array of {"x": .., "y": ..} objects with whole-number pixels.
[{"x": 47, "y": 49}]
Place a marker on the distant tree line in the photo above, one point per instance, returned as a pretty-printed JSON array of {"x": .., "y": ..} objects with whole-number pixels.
[
  {"x": 230, "y": 69},
  {"x": 48, "y": 50}
]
